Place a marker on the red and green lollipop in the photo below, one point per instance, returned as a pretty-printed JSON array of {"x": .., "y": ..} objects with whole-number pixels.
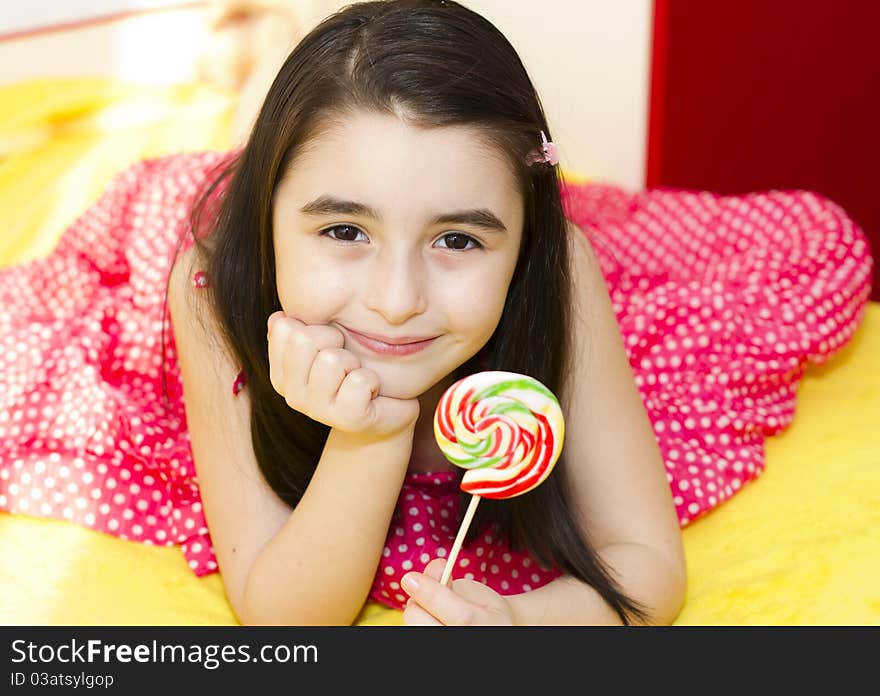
[{"x": 506, "y": 430}]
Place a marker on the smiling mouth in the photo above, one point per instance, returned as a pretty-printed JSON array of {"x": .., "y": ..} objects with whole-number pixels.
[{"x": 383, "y": 348}]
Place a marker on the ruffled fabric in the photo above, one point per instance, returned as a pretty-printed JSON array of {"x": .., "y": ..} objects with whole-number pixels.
[
  {"x": 722, "y": 303},
  {"x": 86, "y": 432}
]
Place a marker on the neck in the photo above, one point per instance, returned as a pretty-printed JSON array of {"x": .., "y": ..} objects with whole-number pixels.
[{"x": 427, "y": 457}]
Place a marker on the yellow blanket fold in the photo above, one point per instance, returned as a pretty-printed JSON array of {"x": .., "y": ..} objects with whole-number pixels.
[{"x": 62, "y": 140}]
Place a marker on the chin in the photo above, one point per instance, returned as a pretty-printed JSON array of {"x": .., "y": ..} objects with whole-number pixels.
[
  {"x": 403, "y": 383},
  {"x": 399, "y": 386}
]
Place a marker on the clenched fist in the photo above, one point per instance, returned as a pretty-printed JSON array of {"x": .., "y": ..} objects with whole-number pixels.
[{"x": 318, "y": 377}]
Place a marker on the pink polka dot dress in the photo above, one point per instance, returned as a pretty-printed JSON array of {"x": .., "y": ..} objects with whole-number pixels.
[{"x": 722, "y": 301}]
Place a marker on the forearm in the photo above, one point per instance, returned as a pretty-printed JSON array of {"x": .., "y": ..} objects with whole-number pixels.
[
  {"x": 320, "y": 566},
  {"x": 642, "y": 574}
]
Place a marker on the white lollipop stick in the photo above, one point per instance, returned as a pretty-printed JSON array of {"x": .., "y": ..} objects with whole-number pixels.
[{"x": 456, "y": 546}]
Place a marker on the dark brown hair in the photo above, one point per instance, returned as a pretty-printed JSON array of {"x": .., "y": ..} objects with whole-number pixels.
[{"x": 434, "y": 64}]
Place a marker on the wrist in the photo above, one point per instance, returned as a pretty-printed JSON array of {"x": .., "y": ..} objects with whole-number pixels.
[{"x": 365, "y": 445}]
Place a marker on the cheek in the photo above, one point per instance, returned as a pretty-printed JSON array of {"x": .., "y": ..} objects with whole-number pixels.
[
  {"x": 311, "y": 294},
  {"x": 475, "y": 307}
]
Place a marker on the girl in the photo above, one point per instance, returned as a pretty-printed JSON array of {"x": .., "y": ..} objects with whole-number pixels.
[
  {"x": 392, "y": 218},
  {"x": 396, "y": 222}
]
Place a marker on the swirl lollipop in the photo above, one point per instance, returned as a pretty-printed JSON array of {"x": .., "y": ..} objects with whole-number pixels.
[{"x": 506, "y": 430}]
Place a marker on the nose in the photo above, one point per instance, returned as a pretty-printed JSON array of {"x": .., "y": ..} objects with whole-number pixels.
[{"x": 396, "y": 286}]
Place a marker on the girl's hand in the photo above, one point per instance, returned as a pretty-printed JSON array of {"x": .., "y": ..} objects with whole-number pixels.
[
  {"x": 310, "y": 368},
  {"x": 465, "y": 603}
]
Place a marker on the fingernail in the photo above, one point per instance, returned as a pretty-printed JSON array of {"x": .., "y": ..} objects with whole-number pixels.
[{"x": 409, "y": 583}]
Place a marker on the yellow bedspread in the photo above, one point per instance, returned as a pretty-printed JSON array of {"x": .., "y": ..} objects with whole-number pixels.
[{"x": 800, "y": 545}]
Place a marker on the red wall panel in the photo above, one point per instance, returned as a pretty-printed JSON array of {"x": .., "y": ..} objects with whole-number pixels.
[{"x": 753, "y": 95}]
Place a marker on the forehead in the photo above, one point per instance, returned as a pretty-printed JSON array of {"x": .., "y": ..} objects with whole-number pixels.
[{"x": 382, "y": 160}]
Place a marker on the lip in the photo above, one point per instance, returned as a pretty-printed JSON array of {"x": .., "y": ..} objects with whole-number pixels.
[{"x": 405, "y": 345}]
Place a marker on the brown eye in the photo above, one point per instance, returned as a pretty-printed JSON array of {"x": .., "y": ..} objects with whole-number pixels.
[
  {"x": 459, "y": 242},
  {"x": 348, "y": 233}
]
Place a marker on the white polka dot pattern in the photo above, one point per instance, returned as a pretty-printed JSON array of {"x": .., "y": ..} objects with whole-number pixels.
[
  {"x": 85, "y": 434},
  {"x": 722, "y": 302},
  {"x": 424, "y": 526}
]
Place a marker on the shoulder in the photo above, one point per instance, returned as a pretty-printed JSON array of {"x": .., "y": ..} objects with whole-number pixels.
[
  {"x": 181, "y": 277},
  {"x": 205, "y": 361},
  {"x": 573, "y": 228},
  {"x": 594, "y": 326},
  {"x": 590, "y": 295},
  {"x": 582, "y": 259},
  {"x": 187, "y": 299}
]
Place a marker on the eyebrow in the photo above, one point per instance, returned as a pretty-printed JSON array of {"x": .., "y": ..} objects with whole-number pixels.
[{"x": 478, "y": 217}]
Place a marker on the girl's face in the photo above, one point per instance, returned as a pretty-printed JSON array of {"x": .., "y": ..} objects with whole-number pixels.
[{"x": 384, "y": 229}]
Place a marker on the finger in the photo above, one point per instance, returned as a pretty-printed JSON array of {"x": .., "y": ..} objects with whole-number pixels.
[
  {"x": 279, "y": 337},
  {"x": 329, "y": 368},
  {"x": 358, "y": 388},
  {"x": 474, "y": 592},
  {"x": 322, "y": 335},
  {"x": 295, "y": 347},
  {"x": 414, "y": 615},
  {"x": 435, "y": 568},
  {"x": 297, "y": 355},
  {"x": 271, "y": 320},
  {"x": 439, "y": 600}
]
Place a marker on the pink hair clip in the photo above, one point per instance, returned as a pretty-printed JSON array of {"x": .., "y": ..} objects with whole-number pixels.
[
  {"x": 551, "y": 153},
  {"x": 548, "y": 152}
]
